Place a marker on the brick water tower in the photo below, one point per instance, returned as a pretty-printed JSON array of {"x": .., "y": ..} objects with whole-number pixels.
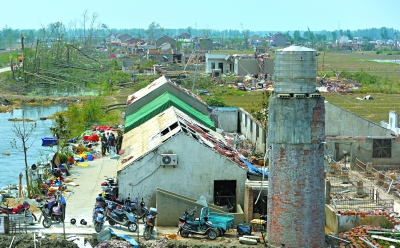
[{"x": 296, "y": 135}]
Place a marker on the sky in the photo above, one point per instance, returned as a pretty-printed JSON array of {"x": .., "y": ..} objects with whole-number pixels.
[{"x": 255, "y": 15}]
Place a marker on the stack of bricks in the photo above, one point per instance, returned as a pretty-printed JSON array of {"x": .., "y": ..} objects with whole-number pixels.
[{"x": 355, "y": 236}]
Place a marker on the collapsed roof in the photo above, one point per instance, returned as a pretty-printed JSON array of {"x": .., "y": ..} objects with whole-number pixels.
[{"x": 156, "y": 131}]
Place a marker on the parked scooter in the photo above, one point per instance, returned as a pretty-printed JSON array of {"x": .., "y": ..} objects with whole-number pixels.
[
  {"x": 98, "y": 218},
  {"x": 121, "y": 216},
  {"x": 144, "y": 211},
  {"x": 199, "y": 227},
  {"x": 110, "y": 189},
  {"x": 23, "y": 208},
  {"x": 150, "y": 223},
  {"x": 51, "y": 212}
]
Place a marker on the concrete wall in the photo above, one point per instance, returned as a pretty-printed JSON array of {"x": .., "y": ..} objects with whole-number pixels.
[
  {"x": 346, "y": 131},
  {"x": 198, "y": 167},
  {"x": 170, "y": 206},
  {"x": 161, "y": 90},
  {"x": 252, "y": 130},
  {"x": 296, "y": 197},
  {"x": 340, "y": 122},
  {"x": 337, "y": 223},
  {"x": 361, "y": 148},
  {"x": 225, "y": 118},
  {"x": 243, "y": 67}
]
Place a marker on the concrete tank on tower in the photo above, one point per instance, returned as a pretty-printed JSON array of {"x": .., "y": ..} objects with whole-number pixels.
[
  {"x": 296, "y": 134},
  {"x": 295, "y": 70}
]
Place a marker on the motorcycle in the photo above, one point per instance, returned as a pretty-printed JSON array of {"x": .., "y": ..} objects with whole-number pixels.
[
  {"x": 149, "y": 224},
  {"x": 198, "y": 226},
  {"x": 121, "y": 216},
  {"x": 51, "y": 212},
  {"x": 98, "y": 218},
  {"x": 110, "y": 189},
  {"x": 144, "y": 211},
  {"x": 23, "y": 208}
]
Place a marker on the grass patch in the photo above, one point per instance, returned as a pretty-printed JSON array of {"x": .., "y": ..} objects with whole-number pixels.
[{"x": 374, "y": 110}]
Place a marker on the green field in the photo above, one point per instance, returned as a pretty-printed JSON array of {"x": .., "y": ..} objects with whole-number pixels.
[
  {"x": 345, "y": 63},
  {"x": 353, "y": 62}
]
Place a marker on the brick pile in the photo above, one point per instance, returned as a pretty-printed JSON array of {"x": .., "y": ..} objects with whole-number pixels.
[{"x": 358, "y": 237}]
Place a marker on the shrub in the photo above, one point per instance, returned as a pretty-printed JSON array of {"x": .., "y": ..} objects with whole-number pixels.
[{"x": 216, "y": 102}]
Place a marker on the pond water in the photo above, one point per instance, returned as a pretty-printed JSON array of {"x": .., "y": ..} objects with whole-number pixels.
[
  {"x": 11, "y": 160},
  {"x": 387, "y": 61},
  {"x": 62, "y": 90}
]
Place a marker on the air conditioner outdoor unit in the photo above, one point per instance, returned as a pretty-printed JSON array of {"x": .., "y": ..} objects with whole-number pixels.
[
  {"x": 169, "y": 159},
  {"x": 216, "y": 72}
]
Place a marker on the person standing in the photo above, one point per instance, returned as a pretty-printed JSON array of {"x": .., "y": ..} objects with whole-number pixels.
[
  {"x": 118, "y": 141},
  {"x": 111, "y": 142},
  {"x": 108, "y": 144},
  {"x": 104, "y": 144}
]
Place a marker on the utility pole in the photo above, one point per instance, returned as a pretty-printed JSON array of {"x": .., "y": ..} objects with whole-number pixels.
[
  {"x": 195, "y": 72},
  {"x": 23, "y": 57}
]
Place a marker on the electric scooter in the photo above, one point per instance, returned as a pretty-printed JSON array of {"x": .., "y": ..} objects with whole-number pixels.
[
  {"x": 199, "y": 227},
  {"x": 122, "y": 217}
]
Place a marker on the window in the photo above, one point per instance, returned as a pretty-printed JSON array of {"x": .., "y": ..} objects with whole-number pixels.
[{"x": 382, "y": 148}]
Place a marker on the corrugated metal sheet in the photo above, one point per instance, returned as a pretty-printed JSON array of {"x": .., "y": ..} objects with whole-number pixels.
[
  {"x": 295, "y": 70},
  {"x": 160, "y": 104},
  {"x": 148, "y": 136},
  {"x": 146, "y": 90}
]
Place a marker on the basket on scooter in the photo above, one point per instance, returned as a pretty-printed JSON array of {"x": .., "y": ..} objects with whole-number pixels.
[{"x": 244, "y": 228}]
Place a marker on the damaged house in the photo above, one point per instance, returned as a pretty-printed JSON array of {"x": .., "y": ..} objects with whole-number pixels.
[
  {"x": 175, "y": 152},
  {"x": 351, "y": 136},
  {"x": 170, "y": 143}
]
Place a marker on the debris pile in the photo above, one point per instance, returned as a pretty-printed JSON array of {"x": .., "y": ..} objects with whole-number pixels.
[
  {"x": 337, "y": 85},
  {"x": 369, "y": 236}
]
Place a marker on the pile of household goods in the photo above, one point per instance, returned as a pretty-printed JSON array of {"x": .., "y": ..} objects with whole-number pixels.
[{"x": 82, "y": 156}]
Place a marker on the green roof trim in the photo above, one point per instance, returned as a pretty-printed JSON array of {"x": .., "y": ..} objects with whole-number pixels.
[{"x": 159, "y": 105}]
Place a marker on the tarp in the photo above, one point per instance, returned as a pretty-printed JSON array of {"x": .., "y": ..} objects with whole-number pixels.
[
  {"x": 159, "y": 105},
  {"x": 131, "y": 240},
  {"x": 252, "y": 168}
]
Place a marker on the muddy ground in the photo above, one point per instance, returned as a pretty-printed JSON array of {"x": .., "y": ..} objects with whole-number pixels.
[{"x": 57, "y": 240}]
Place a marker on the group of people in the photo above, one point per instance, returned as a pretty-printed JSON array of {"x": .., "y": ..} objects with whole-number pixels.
[{"x": 111, "y": 143}]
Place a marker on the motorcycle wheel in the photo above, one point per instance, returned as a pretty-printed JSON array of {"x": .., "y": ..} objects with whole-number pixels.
[
  {"x": 185, "y": 233},
  {"x": 97, "y": 226},
  {"x": 147, "y": 233},
  {"x": 111, "y": 222},
  {"x": 46, "y": 222},
  {"x": 212, "y": 234},
  {"x": 132, "y": 227}
]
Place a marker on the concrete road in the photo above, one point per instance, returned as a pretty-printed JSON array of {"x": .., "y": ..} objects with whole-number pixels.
[
  {"x": 81, "y": 199},
  {"x": 5, "y": 69}
]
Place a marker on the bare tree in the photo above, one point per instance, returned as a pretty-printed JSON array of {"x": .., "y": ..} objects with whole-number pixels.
[
  {"x": 154, "y": 32},
  {"x": 83, "y": 21},
  {"x": 93, "y": 28},
  {"x": 23, "y": 133}
]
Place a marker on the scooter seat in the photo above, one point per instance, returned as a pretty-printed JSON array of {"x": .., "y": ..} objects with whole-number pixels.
[
  {"x": 193, "y": 223},
  {"x": 118, "y": 212}
]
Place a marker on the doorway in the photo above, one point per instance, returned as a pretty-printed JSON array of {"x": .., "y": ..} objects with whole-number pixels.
[
  {"x": 221, "y": 66},
  {"x": 225, "y": 194}
]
